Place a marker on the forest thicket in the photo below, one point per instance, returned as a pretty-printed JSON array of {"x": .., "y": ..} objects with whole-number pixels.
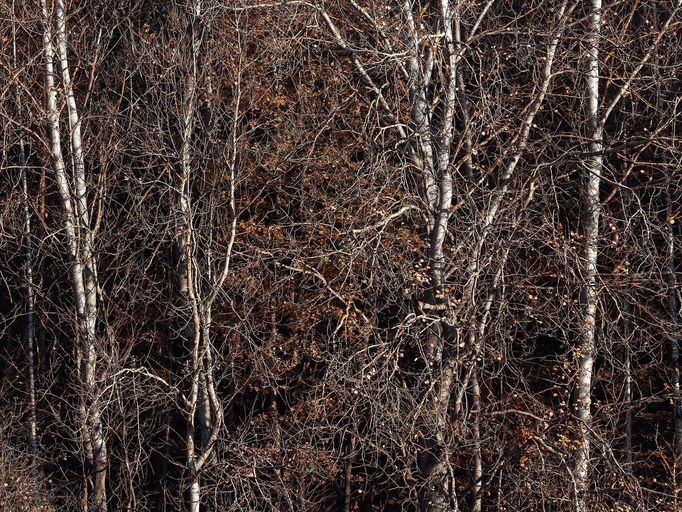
[{"x": 340, "y": 255}]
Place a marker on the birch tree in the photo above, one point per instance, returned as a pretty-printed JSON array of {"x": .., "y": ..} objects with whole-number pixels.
[
  {"x": 79, "y": 239},
  {"x": 586, "y": 349},
  {"x": 30, "y": 283},
  {"x": 201, "y": 272},
  {"x": 597, "y": 119},
  {"x": 435, "y": 43}
]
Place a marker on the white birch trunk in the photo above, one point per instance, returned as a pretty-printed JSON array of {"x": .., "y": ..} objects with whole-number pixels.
[
  {"x": 204, "y": 413},
  {"x": 188, "y": 280},
  {"x": 585, "y": 352},
  {"x": 627, "y": 392},
  {"x": 79, "y": 242},
  {"x": 434, "y": 143},
  {"x": 30, "y": 322}
]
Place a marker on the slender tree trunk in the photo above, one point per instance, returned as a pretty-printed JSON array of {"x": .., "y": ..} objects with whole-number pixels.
[
  {"x": 193, "y": 330},
  {"x": 30, "y": 319},
  {"x": 30, "y": 286},
  {"x": 437, "y": 495},
  {"x": 203, "y": 411},
  {"x": 628, "y": 331},
  {"x": 585, "y": 352},
  {"x": 79, "y": 241},
  {"x": 187, "y": 277},
  {"x": 349, "y": 474},
  {"x": 627, "y": 395}
]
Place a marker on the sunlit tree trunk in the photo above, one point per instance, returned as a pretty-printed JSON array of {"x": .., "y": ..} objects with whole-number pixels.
[
  {"x": 585, "y": 352},
  {"x": 80, "y": 244},
  {"x": 188, "y": 282},
  {"x": 203, "y": 411},
  {"x": 30, "y": 304},
  {"x": 627, "y": 392}
]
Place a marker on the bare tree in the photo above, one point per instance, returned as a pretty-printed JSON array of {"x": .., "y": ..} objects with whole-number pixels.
[
  {"x": 203, "y": 408},
  {"x": 74, "y": 200}
]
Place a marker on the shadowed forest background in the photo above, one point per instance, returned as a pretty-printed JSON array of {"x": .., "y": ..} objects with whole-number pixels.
[{"x": 345, "y": 255}]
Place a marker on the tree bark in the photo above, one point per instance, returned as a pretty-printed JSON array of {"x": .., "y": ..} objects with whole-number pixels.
[
  {"x": 30, "y": 285},
  {"x": 203, "y": 412},
  {"x": 585, "y": 352},
  {"x": 80, "y": 244},
  {"x": 435, "y": 472}
]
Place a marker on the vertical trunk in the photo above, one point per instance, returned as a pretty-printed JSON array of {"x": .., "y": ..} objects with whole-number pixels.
[
  {"x": 89, "y": 270},
  {"x": 203, "y": 412},
  {"x": 438, "y": 493},
  {"x": 628, "y": 339},
  {"x": 420, "y": 116},
  {"x": 30, "y": 318},
  {"x": 194, "y": 494},
  {"x": 79, "y": 242},
  {"x": 628, "y": 414},
  {"x": 435, "y": 139},
  {"x": 187, "y": 277},
  {"x": 585, "y": 352},
  {"x": 209, "y": 414},
  {"x": 349, "y": 474},
  {"x": 193, "y": 330},
  {"x": 30, "y": 287}
]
